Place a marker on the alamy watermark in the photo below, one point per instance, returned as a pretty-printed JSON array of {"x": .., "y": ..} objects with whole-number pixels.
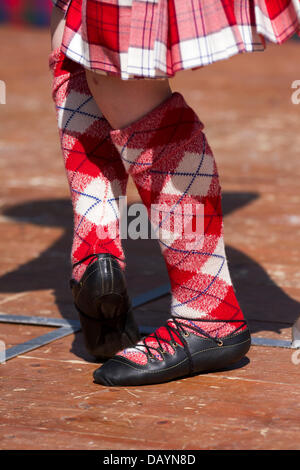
[
  {"x": 295, "y": 98},
  {"x": 168, "y": 222},
  {"x": 295, "y": 357},
  {"x": 2, "y": 92}
]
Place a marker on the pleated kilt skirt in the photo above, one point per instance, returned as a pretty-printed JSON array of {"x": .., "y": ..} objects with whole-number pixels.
[{"x": 157, "y": 38}]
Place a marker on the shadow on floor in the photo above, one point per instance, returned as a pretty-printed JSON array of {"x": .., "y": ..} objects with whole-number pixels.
[{"x": 262, "y": 301}]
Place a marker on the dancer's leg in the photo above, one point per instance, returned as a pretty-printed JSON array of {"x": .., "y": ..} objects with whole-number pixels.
[
  {"x": 123, "y": 102},
  {"x": 56, "y": 27},
  {"x": 171, "y": 163},
  {"x": 94, "y": 169},
  {"x": 97, "y": 180}
]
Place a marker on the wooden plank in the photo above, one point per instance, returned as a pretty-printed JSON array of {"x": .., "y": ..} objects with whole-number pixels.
[{"x": 240, "y": 403}]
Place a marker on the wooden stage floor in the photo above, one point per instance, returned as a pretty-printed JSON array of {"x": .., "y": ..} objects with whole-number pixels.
[{"x": 48, "y": 399}]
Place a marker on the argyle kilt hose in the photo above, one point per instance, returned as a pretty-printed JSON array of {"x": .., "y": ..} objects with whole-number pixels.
[
  {"x": 172, "y": 165},
  {"x": 157, "y": 38},
  {"x": 168, "y": 157},
  {"x": 95, "y": 172}
]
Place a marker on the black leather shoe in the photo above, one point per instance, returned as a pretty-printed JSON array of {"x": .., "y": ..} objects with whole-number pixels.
[
  {"x": 104, "y": 308},
  {"x": 190, "y": 355}
]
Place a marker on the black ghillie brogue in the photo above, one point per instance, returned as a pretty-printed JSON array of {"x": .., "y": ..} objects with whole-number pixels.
[
  {"x": 104, "y": 307},
  {"x": 187, "y": 353}
]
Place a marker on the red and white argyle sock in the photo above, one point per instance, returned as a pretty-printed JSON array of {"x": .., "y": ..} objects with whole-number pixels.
[
  {"x": 95, "y": 172},
  {"x": 172, "y": 165}
]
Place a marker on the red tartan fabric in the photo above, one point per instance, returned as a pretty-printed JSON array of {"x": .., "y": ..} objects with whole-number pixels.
[
  {"x": 95, "y": 172},
  {"x": 157, "y": 38}
]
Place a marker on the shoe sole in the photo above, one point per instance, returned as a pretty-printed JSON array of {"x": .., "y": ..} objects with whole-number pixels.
[{"x": 113, "y": 330}]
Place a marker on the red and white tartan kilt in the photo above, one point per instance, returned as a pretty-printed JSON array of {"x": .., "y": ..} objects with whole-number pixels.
[{"x": 157, "y": 38}]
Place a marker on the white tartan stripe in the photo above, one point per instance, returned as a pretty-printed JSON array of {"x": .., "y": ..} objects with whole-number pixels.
[
  {"x": 78, "y": 50},
  {"x": 217, "y": 264},
  {"x": 264, "y": 24},
  {"x": 77, "y": 112},
  {"x": 183, "y": 310},
  {"x": 128, "y": 156},
  {"x": 97, "y": 202},
  {"x": 187, "y": 174}
]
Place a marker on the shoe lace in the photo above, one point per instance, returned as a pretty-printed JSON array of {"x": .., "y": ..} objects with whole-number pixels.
[
  {"x": 93, "y": 257},
  {"x": 177, "y": 330}
]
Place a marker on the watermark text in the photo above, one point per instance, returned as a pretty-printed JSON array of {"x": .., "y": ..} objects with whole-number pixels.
[
  {"x": 2, "y": 92},
  {"x": 296, "y": 94}
]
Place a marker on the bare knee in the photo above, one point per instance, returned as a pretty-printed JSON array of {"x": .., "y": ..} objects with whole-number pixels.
[
  {"x": 124, "y": 101},
  {"x": 56, "y": 27}
]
